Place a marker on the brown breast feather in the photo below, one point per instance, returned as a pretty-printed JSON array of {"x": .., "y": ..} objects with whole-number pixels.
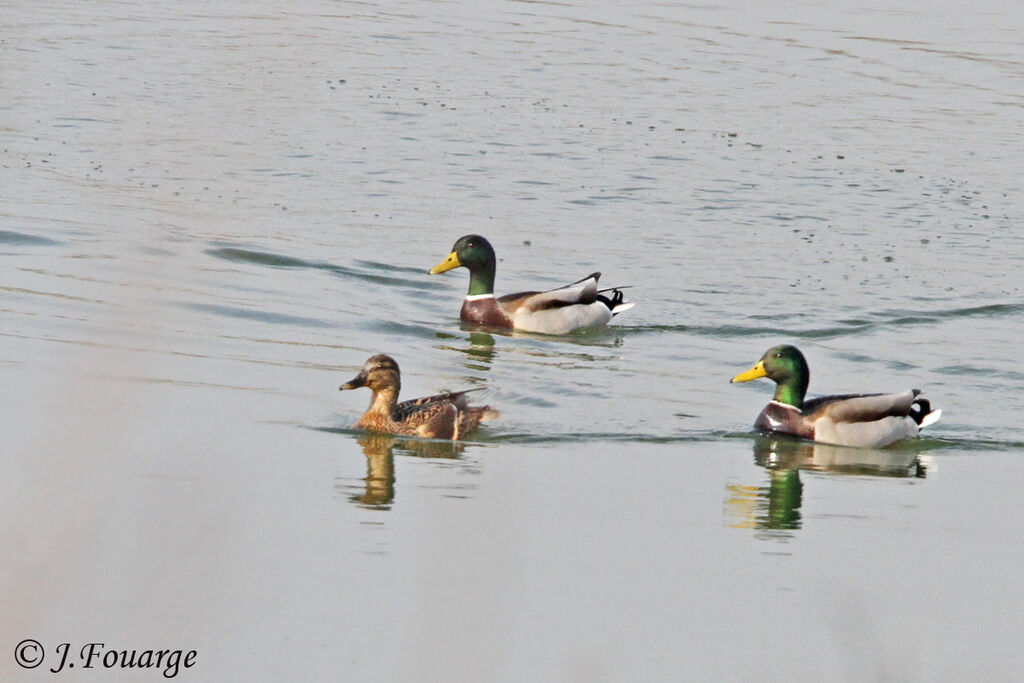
[
  {"x": 778, "y": 418},
  {"x": 485, "y": 312}
]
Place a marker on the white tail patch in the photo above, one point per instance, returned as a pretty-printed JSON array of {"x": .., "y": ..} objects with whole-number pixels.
[
  {"x": 624, "y": 306},
  {"x": 455, "y": 420},
  {"x": 931, "y": 418}
]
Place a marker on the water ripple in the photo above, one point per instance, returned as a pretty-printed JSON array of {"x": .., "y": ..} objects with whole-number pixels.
[
  {"x": 23, "y": 239},
  {"x": 272, "y": 260},
  {"x": 870, "y": 322},
  {"x": 398, "y": 329},
  {"x": 261, "y": 316}
]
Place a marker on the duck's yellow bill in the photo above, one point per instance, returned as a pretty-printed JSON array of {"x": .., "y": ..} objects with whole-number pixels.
[
  {"x": 451, "y": 262},
  {"x": 752, "y": 373}
]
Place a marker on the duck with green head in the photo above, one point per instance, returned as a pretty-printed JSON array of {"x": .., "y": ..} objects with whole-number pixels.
[
  {"x": 441, "y": 416},
  {"x": 865, "y": 420},
  {"x": 557, "y": 311}
]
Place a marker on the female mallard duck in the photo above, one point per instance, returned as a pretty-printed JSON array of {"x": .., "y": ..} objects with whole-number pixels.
[
  {"x": 557, "y": 311},
  {"x": 442, "y": 416},
  {"x": 865, "y": 420}
]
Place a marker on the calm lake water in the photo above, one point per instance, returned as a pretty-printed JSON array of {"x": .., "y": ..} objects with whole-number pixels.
[{"x": 214, "y": 213}]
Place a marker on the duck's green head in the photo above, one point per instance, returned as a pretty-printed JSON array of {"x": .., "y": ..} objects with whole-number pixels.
[
  {"x": 475, "y": 253},
  {"x": 785, "y": 366}
]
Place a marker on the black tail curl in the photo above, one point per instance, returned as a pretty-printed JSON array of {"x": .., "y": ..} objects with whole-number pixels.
[
  {"x": 919, "y": 409},
  {"x": 614, "y": 300}
]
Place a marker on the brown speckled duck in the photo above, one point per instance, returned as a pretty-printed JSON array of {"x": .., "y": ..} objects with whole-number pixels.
[
  {"x": 865, "y": 420},
  {"x": 442, "y": 416},
  {"x": 556, "y": 311}
]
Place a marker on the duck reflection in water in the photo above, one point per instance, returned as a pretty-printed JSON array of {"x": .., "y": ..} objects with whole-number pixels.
[
  {"x": 776, "y": 507},
  {"x": 480, "y": 350},
  {"x": 379, "y": 450}
]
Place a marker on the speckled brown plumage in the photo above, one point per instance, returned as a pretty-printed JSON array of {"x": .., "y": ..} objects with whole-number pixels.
[{"x": 442, "y": 416}]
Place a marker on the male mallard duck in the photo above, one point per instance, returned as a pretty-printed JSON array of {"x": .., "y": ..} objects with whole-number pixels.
[
  {"x": 442, "y": 416},
  {"x": 865, "y": 420},
  {"x": 557, "y": 311}
]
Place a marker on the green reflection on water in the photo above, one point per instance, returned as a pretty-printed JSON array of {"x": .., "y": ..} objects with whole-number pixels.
[
  {"x": 479, "y": 350},
  {"x": 776, "y": 507},
  {"x": 773, "y": 507}
]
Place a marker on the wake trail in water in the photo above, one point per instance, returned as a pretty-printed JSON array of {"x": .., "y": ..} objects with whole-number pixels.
[
  {"x": 850, "y": 326},
  {"x": 272, "y": 260}
]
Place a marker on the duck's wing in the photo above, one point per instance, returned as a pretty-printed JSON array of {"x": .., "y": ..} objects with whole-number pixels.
[
  {"x": 558, "y": 311},
  {"x": 577, "y": 306},
  {"x": 406, "y": 409},
  {"x": 871, "y": 420},
  {"x": 510, "y": 303},
  {"x": 442, "y": 416},
  {"x": 435, "y": 420},
  {"x": 583, "y": 291},
  {"x": 580, "y": 292},
  {"x": 861, "y": 407}
]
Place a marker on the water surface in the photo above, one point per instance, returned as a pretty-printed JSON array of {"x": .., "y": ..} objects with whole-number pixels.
[{"x": 214, "y": 215}]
